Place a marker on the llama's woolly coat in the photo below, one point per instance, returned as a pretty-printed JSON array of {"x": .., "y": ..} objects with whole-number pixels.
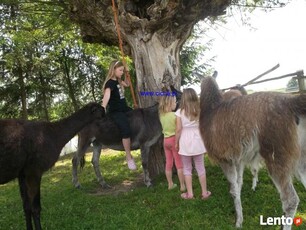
[
  {"x": 235, "y": 131},
  {"x": 29, "y": 148}
]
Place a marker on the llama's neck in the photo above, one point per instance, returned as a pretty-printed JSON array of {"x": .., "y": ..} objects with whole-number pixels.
[
  {"x": 68, "y": 127},
  {"x": 210, "y": 97}
]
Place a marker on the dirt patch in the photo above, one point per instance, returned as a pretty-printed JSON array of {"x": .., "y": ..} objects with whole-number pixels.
[{"x": 125, "y": 186}]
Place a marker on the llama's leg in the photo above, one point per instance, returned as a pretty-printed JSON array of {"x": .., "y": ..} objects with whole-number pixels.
[
  {"x": 95, "y": 162},
  {"x": 34, "y": 194},
  {"x": 301, "y": 165},
  {"x": 240, "y": 170},
  {"x": 230, "y": 172},
  {"x": 25, "y": 202},
  {"x": 30, "y": 193},
  {"x": 254, "y": 171},
  {"x": 145, "y": 150},
  {"x": 254, "y": 167},
  {"x": 301, "y": 171},
  {"x": 288, "y": 195}
]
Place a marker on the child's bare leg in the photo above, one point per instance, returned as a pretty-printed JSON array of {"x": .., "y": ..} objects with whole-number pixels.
[
  {"x": 169, "y": 179},
  {"x": 181, "y": 179},
  {"x": 127, "y": 147},
  {"x": 188, "y": 183},
  {"x": 199, "y": 165},
  {"x": 129, "y": 158}
]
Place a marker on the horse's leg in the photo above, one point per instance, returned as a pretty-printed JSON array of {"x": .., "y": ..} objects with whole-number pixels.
[
  {"x": 230, "y": 171},
  {"x": 95, "y": 162},
  {"x": 25, "y": 201},
  {"x": 82, "y": 147},
  {"x": 145, "y": 150}
]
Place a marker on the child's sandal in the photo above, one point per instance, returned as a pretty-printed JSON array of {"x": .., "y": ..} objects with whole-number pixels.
[
  {"x": 206, "y": 196},
  {"x": 186, "y": 196}
]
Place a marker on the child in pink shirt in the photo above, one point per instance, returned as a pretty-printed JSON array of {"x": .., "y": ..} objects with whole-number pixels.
[{"x": 189, "y": 142}]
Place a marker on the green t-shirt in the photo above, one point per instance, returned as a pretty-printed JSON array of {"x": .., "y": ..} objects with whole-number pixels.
[{"x": 168, "y": 122}]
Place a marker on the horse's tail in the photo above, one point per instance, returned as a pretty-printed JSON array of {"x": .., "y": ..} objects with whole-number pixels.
[{"x": 82, "y": 162}]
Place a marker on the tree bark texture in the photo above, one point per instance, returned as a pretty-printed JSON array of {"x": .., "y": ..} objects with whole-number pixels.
[
  {"x": 23, "y": 93},
  {"x": 153, "y": 33}
]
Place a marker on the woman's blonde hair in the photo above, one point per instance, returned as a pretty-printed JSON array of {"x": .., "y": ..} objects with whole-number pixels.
[
  {"x": 190, "y": 104},
  {"x": 165, "y": 104},
  {"x": 111, "y": 72}
]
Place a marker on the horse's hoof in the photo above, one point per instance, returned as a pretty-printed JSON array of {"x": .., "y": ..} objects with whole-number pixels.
[
  {"x": 106, "y": 186},
  {"x": 78, "y": 186},
  {"x": 149, "y": 185}
]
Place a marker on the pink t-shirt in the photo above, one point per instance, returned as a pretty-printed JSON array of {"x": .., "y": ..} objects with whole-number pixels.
[{"x": 190, "y": 142}]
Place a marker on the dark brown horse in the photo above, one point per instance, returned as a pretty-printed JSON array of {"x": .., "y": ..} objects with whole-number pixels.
[{"x": 146, "y": 131}]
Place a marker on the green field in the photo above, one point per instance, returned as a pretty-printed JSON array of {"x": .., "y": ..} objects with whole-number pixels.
[{"x": 130, "y": 205}]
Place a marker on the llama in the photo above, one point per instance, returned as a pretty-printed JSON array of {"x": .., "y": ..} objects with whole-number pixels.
[
  {"x": 255, "y": 165},
  {"x": 29, "y": 148},
  {"x": 268, "y": 124},
  {"x": 145, "y": 132}
]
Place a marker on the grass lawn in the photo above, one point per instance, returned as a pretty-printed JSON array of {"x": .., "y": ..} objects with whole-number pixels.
[{"x": 130, "y": 205}]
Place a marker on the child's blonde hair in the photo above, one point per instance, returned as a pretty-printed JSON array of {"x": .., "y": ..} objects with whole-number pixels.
[
  {"x": 190, "y": 104},
  {"x": 111, "y": 72},
  {"x": 166, "y": 103}
]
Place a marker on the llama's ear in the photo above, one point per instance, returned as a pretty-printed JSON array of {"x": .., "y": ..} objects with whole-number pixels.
[
  {"x": 215, "y": 74},
  {"x": 177, "y": 92}
]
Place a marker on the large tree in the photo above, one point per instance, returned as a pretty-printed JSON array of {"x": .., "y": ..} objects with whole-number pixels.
[{"x": 153, "y": 33}]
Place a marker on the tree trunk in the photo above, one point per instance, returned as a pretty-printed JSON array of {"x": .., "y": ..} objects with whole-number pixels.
[
  {"x": 156, "y": 67},
  {"x": 23, "y": 94},
  {"x": 157, "y": 159},
  {"x": 44, "y": 97},
  {"x": 68, "y": 81}
]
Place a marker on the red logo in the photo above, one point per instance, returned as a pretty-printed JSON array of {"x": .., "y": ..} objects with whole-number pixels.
[{"x": 297, "y": 221}]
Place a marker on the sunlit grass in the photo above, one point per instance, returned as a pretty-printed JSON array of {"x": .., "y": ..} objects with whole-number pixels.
[{"x": 64, "y": 207}]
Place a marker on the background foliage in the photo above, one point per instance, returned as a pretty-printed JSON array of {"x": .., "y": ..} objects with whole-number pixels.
[{"x": 47, "y": 72}]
